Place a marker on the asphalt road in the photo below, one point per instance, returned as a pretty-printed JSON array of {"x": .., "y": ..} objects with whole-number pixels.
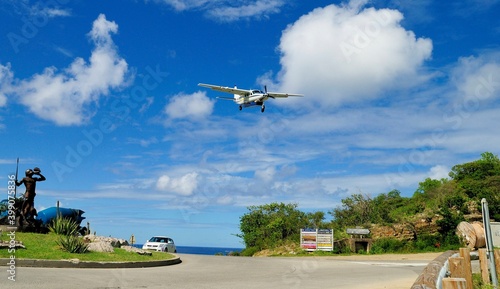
[{"x": 223, "y": 272}]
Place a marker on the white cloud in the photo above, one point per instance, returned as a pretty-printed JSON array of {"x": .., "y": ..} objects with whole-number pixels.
[
  {"x": 229, "y": 11},
  {"x": 58, "y": 12},
  {"x": 371, "y": 184},
  {"x": 41, "y": 10},
  {"x": 477, "y": 79},
  {"x": 192, "y": 106},
  {"x": 49, "y": 12},
  {"x": 181, "y": 5},
  {"x": 6, "y": 78},
  {"x": 340, "y": 54},
  {"x": 184, "y": 185},
  {"x": 266, "y": 175},
  {"x": 439, "y": 172},
  {"x": 66, "y": 97},
  {"x": 257, "y": 9}
]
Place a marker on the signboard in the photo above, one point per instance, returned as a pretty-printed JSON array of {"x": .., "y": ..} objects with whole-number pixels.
[
  {"x": 316, "y": 239},
  {"x": 358, "y": 231},
  {"x": 495, "y": 233}
]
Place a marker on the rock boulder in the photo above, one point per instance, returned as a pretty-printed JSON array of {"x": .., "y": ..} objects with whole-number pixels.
[
  {"x": 100, "y": 246},
  {"x": 103, "y": 244},
  {"x": 115, "y": 242}
]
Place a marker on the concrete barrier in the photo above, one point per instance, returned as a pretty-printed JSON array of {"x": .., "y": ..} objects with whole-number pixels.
[
  {"x": 75, "y": 263},
  {"x": 434, "y": 272}
]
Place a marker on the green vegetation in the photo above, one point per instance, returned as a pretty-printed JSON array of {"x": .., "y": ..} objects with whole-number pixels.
[
  {"x": 69, "y": 241},
  {"x": 44, "y": 246},
  {"x": 477, "y": 282},
  {"x": 444, "y": 203},
  {"x": 63, "y": 226},
  {"x": 273, "y": 225},
  {"x": 72, "y": 244}
]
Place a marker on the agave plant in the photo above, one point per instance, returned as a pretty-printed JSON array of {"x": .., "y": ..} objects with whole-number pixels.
[
  {"x": 72, "y": 244},
  {"x": 64, "y": 226}
]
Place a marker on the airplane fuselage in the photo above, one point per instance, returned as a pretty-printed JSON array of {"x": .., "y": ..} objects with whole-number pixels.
[
  {"x": 255, "y": 97},
  {"x": 248, "y": 97}
]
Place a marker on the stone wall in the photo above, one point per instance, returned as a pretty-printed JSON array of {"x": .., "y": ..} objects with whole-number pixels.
[{"x": 408, "y": 230}]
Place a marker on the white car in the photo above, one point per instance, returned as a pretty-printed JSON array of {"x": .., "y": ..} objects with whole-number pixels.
[{"x": 161, "y": 244}]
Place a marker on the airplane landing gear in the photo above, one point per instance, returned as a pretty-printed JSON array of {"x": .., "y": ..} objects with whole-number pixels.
[{"x": 263, "y": 107}]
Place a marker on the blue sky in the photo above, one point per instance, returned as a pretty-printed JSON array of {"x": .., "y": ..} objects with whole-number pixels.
[{"x": 103, "y": 97}]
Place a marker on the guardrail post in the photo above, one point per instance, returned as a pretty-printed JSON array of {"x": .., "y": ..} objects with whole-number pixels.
[
  {"x": 454, "y": 283},
  {"x": 483, "y": 263},
  {"x": 465, "y": 253},
  {"x": 456, "y": 266},
  {"x": 497, "y": 260}
]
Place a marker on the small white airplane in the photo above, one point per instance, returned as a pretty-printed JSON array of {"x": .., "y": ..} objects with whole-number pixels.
[{"x": 248, "y": 97}]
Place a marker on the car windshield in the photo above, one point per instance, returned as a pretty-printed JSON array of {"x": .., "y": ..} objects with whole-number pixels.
[{"x": 159, "y": 240}]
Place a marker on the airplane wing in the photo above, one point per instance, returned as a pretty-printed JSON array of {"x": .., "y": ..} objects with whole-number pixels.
[
  {"x": 282, "y": 95},
  {"x": 225, "y": 98},
  {"x": 226, "y": 89}
]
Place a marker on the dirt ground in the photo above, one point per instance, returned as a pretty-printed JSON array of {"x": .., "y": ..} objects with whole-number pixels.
[{"x": 390, "y": 257}]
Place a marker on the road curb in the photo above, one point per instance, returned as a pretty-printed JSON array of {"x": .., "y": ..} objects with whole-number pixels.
[{"x": 75, "y": 263}]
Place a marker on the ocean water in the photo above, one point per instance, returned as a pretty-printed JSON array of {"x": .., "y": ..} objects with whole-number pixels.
[{"x": 202, "y": 250}]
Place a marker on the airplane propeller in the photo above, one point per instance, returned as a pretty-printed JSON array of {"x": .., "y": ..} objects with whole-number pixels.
[{"x": 265, "y": 90}]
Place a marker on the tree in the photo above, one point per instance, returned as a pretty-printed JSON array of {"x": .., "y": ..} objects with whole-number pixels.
[
  {"x": 315, "y": 220},
  {"x": 487, "y": 166},
  {"x": 267, "y": 226},
  {"x": 386, "y": 207},
  {"x": 427, "y": 186},
  {"x": 480, "y": 179},
  {"x": 355, "y": 211},
  {"x": 451, "y": 209},
  {"x": 430, "y": 193}
]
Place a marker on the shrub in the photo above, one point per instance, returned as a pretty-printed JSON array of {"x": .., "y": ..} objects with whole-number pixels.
[
  {"x": 426, "y": 242},
  {"x": 389, "y": 245},
  {"x": 67, "y": 229},
  {"x": 248, "y": 252},
  {"x": 64, "y": 226},
  {"x": 72, "y": 244}
]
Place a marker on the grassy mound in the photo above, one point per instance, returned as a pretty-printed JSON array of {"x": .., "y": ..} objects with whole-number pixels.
[{"x": 45, "y": 246}]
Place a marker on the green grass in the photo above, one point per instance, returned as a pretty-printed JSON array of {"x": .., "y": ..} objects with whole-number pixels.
[
  {"x": 477, "y": 282},
  {"x": 44, "y": 246}
]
